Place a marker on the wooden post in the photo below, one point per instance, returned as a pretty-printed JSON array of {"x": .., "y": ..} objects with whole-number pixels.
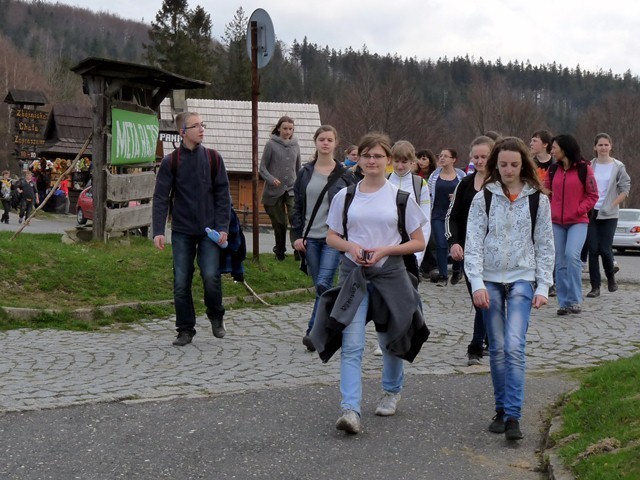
[
  {"x": 255, "y": 92},
  {"x": 99, "y": 151}
]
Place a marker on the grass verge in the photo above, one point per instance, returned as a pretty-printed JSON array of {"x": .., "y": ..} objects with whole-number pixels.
[
  {"x": 600, "y": 435},
  {"x": 41, "y": 272}
]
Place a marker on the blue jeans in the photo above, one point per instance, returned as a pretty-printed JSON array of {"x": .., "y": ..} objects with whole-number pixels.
[
  {"x": 600, "y": 238},
  {"x": 568, "y": 240},
  {"x": 442, "y": 249},
  {"x": 353, "y": 339},
  {"x": 185, "y": 250},
  {"x": 322, "y": 263},
  {"x": 507, "y": 321}
]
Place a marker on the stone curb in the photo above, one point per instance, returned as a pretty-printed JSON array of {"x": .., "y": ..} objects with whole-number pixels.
[
  {"x": 555, "y": 466},
  {"x": 19, "y": 313}
]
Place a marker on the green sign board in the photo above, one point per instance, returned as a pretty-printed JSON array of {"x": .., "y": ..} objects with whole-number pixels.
[{"x": 134, "y": 137}]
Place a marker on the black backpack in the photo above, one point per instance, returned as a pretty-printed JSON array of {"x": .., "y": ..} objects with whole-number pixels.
[{"x": 410, "y": 261}]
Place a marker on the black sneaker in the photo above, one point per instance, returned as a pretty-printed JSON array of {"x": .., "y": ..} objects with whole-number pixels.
[
  {"x": 512, "y": 430},
  {"x": 563, "y": 311},
  {"x": 595, "y": 292},
  {"x": 217, "y": 325},
  {"x": 474, "y": 359},
  {"x": 442, "y": 281},
  {"x": 306, "y": 341},
  {"x": 497, "y": 426},
  {"x": 183, "y": 338},
  {"x": 612, "y": 285},
  {"x": 552, "y": 291},
  {"x": 455, "y": 277}
]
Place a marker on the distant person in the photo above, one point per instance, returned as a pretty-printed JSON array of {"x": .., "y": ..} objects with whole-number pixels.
[
  {"x": 5, "y": 195},
  {"x": 372, "y": 276},
  {"x": 493, "y": 135},
  {"x": 456, "y": 232},
  {"x": 316, "y": 185},
  {"x": 509, "y": 262},
  {"x": 64, "y": 188},
  {"x": 193, "y": 182},
  {"x": 540, "y": 145},
  {"x": 42, "y": 169},
  {"x": 426, "y": 164},
  {"x": 442, "y": 183},
  {"x": 614, "y": 184},
  {"x": 574, "y": 192},
  {"x": 279, "y": 166},
  {"x": 28, "y": 196},
  {"x": 351, "y": 156}
]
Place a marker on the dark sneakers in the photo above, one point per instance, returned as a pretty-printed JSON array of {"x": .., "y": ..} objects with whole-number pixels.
[
  {"x": 552, "y": 291},
  {"x": 184, "y": 337},
  {"x": 497, "y": 426},
  {"x": 595, "y": 292},
  {"x": 612, "y": 285},
  {"x": 512, "y": 429},
  {"x": 306, "y": 341},
  {"x": 455, "y": 277},
  {"x": 217, "y": 325}
]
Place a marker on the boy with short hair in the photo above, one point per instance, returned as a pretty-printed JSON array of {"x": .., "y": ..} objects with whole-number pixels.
[{"x": 28, "y": 195}]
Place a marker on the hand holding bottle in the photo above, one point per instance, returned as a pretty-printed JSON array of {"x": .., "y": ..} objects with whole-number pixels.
[{"x": 215, "y": 237}]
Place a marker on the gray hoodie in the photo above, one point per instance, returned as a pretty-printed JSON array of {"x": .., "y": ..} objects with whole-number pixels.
[
  {"x": 620, "y": 182},
  {"x": 280, "y": 160}
]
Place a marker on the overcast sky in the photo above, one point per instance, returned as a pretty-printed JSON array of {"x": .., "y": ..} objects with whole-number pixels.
[{"x": 595, "y": 35}]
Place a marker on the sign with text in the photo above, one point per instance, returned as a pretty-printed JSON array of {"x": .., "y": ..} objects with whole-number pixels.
[
  {"x": 134, "y": 137},
  {"x": 28, "y": 130}
]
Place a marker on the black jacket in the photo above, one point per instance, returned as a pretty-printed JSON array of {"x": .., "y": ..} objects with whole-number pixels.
[
  {"x": 300, "y": 189},
  {"x": 198, "y": 203}
]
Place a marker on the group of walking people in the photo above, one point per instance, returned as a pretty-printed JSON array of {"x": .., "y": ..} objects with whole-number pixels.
[{"x": 370, "y": 219}]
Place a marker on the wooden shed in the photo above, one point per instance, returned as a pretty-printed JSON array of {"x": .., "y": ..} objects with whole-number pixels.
[{"x": 229, "y": 132}]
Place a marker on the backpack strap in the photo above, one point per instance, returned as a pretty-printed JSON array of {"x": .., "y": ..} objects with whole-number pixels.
[
  {"x": 582, "y": 172},
  {"x": 351, "y": 190},
  {"x": 417, "y": 186},
  {"x": 401, "y": 203}
]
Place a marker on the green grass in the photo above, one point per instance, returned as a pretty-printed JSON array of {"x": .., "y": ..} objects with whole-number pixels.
[
  {"x": 604, "y": 410},
  {"x": 39, "y": 271}
]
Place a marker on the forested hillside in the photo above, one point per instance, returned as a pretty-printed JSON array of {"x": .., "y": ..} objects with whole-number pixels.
[{"x": 431, "y": 102}]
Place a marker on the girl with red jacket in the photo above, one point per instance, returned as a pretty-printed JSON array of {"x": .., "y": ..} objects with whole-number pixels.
[{"x": 574, "y": 192}]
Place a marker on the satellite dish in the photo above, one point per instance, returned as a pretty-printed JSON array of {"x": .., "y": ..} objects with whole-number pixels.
[{"x": 266, "y": 36}]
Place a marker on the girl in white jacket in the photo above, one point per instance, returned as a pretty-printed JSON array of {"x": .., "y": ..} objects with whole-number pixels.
[{"x": 509, "y": 261}]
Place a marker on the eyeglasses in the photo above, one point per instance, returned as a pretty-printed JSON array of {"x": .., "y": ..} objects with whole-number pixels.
[
  {"x": 375, "y": 156},
  {"x": 196, "y": 125}
]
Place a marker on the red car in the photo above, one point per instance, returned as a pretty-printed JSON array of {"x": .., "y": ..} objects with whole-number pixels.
[{"x": 84, "y": 209}]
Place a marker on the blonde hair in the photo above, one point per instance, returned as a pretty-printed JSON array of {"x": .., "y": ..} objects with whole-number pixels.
[{"x": 404, "y": 150}]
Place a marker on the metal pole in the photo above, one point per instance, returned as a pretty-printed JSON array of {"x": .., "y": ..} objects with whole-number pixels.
[{"x": 255, "y": 92}]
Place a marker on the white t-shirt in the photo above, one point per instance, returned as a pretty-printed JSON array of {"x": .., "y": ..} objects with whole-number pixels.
[
  {"x": 372, "y": 219},
  {"x": 602, "y": 172}
]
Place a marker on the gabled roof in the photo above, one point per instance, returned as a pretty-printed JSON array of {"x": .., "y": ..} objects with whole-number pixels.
[
  {"x": 67, "y": 129},
  {"x": 26, "y": 97},
  {"x": 229, "y": 127}
]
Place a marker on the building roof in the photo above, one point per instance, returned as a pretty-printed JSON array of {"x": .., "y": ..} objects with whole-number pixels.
[
  {"x": 26, "y": 97},
  {"x": 229, "y": 127},
  {"x": 67, "y": 129}
]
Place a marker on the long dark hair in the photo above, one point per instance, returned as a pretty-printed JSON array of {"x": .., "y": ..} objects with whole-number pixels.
[
  {"x": 528, "y": 172},
  {"x": 569, "y": 145}
]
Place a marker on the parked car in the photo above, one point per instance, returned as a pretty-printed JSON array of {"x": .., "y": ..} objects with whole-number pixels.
[
  {"x": 627, "y": 234},
  {"x": 84, "y": 208}
]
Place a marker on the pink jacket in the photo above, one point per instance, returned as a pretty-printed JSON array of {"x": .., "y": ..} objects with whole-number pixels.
[{"x": 571, "y": 202}]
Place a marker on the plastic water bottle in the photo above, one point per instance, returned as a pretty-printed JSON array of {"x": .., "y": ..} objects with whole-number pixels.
[{"x": 215, "y": 237}]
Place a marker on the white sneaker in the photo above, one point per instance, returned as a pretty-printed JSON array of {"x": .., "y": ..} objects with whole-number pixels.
[
  {"x": 388, "y": 404},
  {"x": 378, "y": 351},
  {"x": 349, "y": 422}
]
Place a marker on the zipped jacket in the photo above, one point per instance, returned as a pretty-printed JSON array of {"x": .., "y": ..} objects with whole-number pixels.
[
  {"x": 619, "y": 182},
  {"x": 571, "y": 201},
  {"x": 500, "y": 248}
]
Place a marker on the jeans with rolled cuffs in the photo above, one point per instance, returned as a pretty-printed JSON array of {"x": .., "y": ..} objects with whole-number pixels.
[
  {"x": 322, "y": 263},
  {"x": 568, "y": 240},
  {"x": 507, "y": 321},
  {"x": 353, "y": 342},
  {"x": 186, "y": 249}
]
